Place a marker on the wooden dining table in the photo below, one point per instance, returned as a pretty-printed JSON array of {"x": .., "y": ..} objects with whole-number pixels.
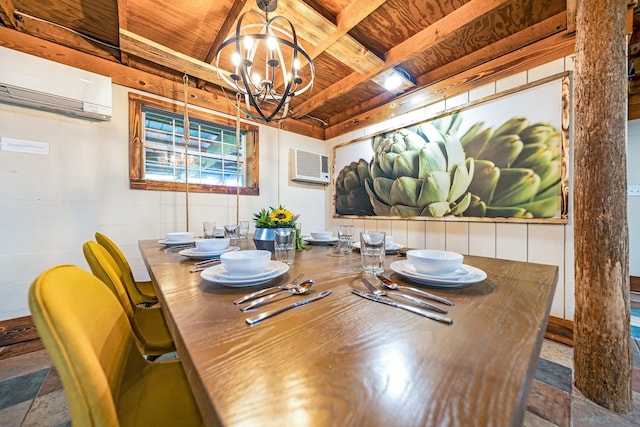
[{"x": 348, "y": 361}]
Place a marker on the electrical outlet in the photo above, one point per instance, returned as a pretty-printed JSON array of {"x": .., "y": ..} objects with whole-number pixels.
[{"x": 633, "y": 191}]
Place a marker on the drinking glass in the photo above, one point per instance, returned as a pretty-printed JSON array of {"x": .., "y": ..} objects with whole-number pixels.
[
  {"x": 209, "y": 229},
  {"x": 345, "y": 239},
  {"x": 231, "y": 231},
  {"x": 372, "y": 251},
  {"x": 285, "y": 245},
  {"x": 244, "y": 230}
]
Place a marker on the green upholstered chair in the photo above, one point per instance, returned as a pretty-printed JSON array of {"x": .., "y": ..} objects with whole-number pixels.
[
  {"x": 140, "y": 292},
  {"x": 106, "y": 379},
  {"x": 148, "y": 323}
]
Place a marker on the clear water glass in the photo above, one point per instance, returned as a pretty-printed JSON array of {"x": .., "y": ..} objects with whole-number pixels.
[
  {"x": 244, "y": 229},
  {"x": 231, "y": 231},
  {"x": 285, "y": 245},
  {"x": 345, "y": 239},
  {"x": 209, "y": 229},
  {"x": 372, "y": 249}
]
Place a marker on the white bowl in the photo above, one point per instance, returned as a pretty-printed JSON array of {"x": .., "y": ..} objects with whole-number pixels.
[
  {"x": 388, "y": 241},
  {"x": 208, "y": 245},
  {"x": 180, "y": 236},
  {"x": 430, "y": 261},
  {"x": 245, "y": 263},
  {"x": 321, "y": 235}
]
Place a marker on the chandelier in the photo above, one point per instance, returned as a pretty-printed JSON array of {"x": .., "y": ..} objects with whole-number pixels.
[{"x": 263, "y": 65}]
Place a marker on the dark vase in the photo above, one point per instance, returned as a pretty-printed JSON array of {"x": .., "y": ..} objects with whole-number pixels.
[{"x": 263, "y": 238}]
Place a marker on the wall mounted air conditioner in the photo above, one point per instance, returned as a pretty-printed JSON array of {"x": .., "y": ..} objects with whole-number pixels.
[
  {"x": 35, "y": 82},
  {"x": 309, "y": 167}
]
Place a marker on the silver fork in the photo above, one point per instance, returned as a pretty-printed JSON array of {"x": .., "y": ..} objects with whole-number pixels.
[
  {"x": 413, "y": 299},
  {"x": 270, "y": 290}
]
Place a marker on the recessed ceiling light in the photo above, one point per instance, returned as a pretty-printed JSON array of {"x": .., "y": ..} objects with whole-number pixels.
[{"x": 393, "y": 81}]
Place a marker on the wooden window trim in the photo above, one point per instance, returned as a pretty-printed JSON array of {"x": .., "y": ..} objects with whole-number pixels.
[{"x": 136, "y": 147}]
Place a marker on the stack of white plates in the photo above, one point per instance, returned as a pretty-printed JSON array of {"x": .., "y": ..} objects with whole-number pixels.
[
  {"x": 195, "y": 253},
  {"x": 313, "y": 241},
  {"x": 219, "y": 275},
  {"x": 175, "y": 242},
  {"x": 392, "y": 247},
  {"x": 463, "y": 276}
]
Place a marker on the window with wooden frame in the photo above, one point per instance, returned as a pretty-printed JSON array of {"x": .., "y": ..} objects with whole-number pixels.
[{"x": 217, "y": 161}]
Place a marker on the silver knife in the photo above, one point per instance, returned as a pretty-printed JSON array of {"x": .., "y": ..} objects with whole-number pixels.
[
  {"x": 417, "y": 301},
  {"x": 416, "y": 310},
  {"x": 267, "y": 314}
]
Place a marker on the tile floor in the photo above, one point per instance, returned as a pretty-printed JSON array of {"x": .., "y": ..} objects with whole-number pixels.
[{"x": 31, "y": 393}]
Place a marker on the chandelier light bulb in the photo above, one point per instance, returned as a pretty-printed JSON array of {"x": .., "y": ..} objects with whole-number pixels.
[{"x": 272, "y": 43}]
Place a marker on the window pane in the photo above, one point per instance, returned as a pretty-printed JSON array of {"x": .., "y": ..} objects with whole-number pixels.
[{"x": 214, "y": 156}]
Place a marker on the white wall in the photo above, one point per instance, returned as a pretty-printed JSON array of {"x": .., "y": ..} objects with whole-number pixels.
[
  {"x": 51, "y": 204},
  {"x": 539, "y": 243}
]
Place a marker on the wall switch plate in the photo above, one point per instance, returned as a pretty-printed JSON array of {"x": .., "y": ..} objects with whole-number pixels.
[{"x": 633, "y": 191}]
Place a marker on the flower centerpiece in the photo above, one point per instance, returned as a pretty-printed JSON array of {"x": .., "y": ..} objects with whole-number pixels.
[{"x": 267, "y": 220}]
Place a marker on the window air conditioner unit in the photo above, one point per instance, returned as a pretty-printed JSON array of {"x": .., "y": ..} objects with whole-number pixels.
[
  {"x": 35, "y": 82},
  {"x": 309, "y": 167}
]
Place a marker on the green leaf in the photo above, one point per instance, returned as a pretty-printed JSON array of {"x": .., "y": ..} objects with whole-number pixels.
[{"x": 404, "y": 191}]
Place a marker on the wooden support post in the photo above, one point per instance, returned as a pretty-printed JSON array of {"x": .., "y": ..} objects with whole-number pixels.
[{"x": 602, "y": 352}]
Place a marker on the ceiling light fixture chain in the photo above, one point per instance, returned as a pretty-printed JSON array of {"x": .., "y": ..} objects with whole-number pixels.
[{"x": 266, "y": 45}]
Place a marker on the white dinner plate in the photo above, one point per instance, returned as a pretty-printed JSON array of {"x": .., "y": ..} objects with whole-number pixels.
[
  {"x": 467, "y": 276},
  {"x": 313, "y": 241},
  {"x": 194, "y": 253},
  {"x": 219, "y": 275},
  {"x": 391, "y": 248},
  {"x": 176, "y": 242}
]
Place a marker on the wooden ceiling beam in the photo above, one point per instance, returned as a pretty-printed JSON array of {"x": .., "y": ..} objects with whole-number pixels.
[
  {"x": 58, "y": 34},
  {"x": 334, "y": 39},
  {"x": 238, "y": 8},
  {"x": 535, "y": 54},
  {"x": 135, "y": 79},
  {"x": 539, "y": 31},
  {"x": 430, "y": 36},
  {"x": 136, "y": 45},
  {"x": 350, "y": 16},
  {"x": 7, "y": 17},
  {"x": 123, "y": 23}
]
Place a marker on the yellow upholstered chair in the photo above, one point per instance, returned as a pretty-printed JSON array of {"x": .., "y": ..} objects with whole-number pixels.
[
  {"x": 148, "y": 324},
  {"x": 106, "y": 379},
  {"x": 140, "y": 292}
]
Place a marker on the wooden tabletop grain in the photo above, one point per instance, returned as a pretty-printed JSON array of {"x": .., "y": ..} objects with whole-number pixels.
[{"x": 347, "y": 361}]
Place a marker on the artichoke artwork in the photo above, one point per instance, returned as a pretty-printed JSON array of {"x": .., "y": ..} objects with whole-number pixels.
[
  {"x": 351, "y": 197},
  {"x": 517, "y": 169},
  {"x": 421, "y": 173}
]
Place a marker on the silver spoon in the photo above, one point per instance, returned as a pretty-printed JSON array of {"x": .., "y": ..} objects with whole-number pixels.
[
  {"x": 390, "y": 284},
  {"x": 298, "y": 289},
  {"x": 272, "y": 289}
]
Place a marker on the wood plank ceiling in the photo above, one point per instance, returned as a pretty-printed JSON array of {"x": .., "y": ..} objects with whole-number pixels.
[{"x": 354, "y": 43}]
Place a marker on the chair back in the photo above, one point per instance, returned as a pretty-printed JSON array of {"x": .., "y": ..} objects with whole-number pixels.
[
  {"x": 89, "y": 338},
  {"x": 104, "y": 267},
  {"x": 123, "y": 265}
]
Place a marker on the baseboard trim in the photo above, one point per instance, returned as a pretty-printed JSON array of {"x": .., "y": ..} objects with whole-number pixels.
[
  {"x": 18, "y": 336},
  {"x": 560, "y": 330}
]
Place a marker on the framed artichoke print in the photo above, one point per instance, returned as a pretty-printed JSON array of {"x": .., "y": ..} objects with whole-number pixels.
[{"x": 503, "y": 158}]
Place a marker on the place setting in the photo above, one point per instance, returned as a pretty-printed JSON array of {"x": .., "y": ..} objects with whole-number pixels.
[
  {"x": 209, "y": 248},
  {"x": 437, "y": 268},
  {"x": 244, "y": 268},
  {"x": 178, "y": 238},
  {"x": 320, "y": 238}
]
